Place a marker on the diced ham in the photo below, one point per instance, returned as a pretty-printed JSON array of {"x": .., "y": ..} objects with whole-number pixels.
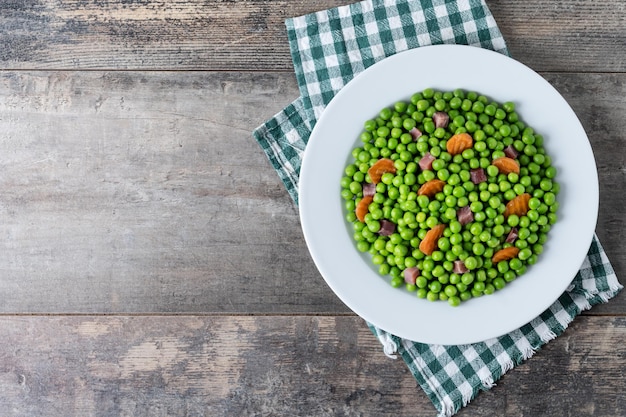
[
  {"x": 387, "y": 228},
  {"x": 369, "y": 189},
  {"x": 459, "y": 267},
  {"x": 426, "y": 162},
  {"x": 465, "y": 215},
  {"x": 416, "y": 133},
  {"x": 511, "y": 152},
  {"x": 441, "y": 119},
  {"x": 478, "y": 175},
  {"x": 512, "y": 236},
  {"x": 411, "y": 274}
]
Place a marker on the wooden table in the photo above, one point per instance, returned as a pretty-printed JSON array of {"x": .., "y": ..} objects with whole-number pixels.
[{"x": 152, "y": 262}]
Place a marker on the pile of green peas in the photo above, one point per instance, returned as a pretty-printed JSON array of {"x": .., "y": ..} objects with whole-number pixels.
[{"x": 493, "y": 127}]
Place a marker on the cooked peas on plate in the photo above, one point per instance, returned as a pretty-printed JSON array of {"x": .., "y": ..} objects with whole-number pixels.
[{"x": 451, "y": 193}]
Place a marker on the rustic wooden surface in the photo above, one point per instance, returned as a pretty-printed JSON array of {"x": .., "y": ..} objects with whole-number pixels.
[
  {"x": 277, "y": 366},
  {"x": 152, "y": 263}
]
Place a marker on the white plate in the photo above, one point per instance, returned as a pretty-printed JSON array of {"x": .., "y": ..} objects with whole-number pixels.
[{"x": 351, "y": 275}]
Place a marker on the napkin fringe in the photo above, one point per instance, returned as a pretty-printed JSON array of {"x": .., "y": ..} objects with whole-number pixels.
[
  {"x": 614, "y": 288},
  {"x": 448, "y": 407},
  {"x": 445, "y": 404},
  {"x": 389, "y": 341},
  {"x": 546, "y": 336},
  {"x": 354, "y": 37},
  {"x": 390, "y": 348}
]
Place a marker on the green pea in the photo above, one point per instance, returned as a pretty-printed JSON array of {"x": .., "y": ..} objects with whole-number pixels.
[
  {"x": 363, "y": 246},
  {"x": 549, "y": 198},
  {"x": 476, "y": 206},
  {"x": 478, "y": 249},
  {"x": 443, "y": 174},
  {"x": 513, "y": 220},
  {"x": 505, "y": 130},
  {"x": 432, "y": 221},
  {"x": 407, "y": 234},
  {"x": 493, "y": 127},
  {"x": 494, "y": 202},
  {"x": 524, "y": 254},
  {"x": 355, "y": 187},
  {"x": 479, "y": 286},
  {"x": 434, "y": 286},
  {"x": 450, "y": 213},
  {"x": 499, "y": 283},
  {"x": 521, "y": 244},
  {"x": 397, "y": 282},
  {"x": 346, "y": 194},
  {"x": 550, "y": 172},
  {"x": 515, "y": 264},
  {"x": 476, "y": 228},
  {"x": 500, "y": 114},
  {"x": 518, "y": 189},
  {"x": 471, "y": 263},
  {"x": 533, "y": 215},
  {"x": 439, "y": 271},
  {"x": 511, "y": 275},
  {"x": 546, "y": 184},
  {"x": 502, "y": 267}
]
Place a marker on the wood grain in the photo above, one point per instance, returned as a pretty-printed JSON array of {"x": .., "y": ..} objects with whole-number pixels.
[
  {"x": 581, "y": 36},
  {"x": 131, "y": 185},
  {"x": 597, "y": 112},
  {"x": 145, "y": 192},
  {"x": 250, "y": 35},
  {"x": 182, "y": 34},
  {"x": 277, "y": 366}
]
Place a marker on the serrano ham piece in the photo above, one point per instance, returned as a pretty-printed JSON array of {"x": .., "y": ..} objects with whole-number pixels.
[
  {"x": 511, "y": 152},
  {"x": 369, "y": 189},
  {"x": 512, "y": 236},
  {"x": 386, "y": 228},
  {"x": 426, "y": 162},
  {"x": 465, "y": 215},
  {"x": 411, "y": 274},
  {"x": 441, "y": 119},
  {"x": 459, "y": 267},
  {"x": 478, "y": 175},
  {"x": 416, "y": 133}
]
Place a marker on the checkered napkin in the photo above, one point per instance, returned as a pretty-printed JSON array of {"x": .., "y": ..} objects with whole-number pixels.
[{"x": 328, "y": 49}]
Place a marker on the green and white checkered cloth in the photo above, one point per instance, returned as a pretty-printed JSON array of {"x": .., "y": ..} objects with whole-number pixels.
[{"x": 328, "y": 49}]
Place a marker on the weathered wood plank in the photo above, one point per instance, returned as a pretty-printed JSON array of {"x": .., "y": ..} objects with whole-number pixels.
[
  {"x": 250, "y": 35},
  {"x": 134, "y": 192},
  {"x": 564, "y": 35},
  {"x": 279, "y": 366},
  {"x": 145, "y": 192},
  {"x": 183, "y": 34},
  {"x": 598, "y": 111}
]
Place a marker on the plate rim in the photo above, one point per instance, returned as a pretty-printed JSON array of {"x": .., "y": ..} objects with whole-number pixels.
[{"x": 467, "y": 51}]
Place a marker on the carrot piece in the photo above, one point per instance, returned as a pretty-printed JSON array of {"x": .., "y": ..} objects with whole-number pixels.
[
  {"x": 430, "y": 188},
  {"x": 458, "y": 143},
  {"x": 506, "y": 165},
  {"x": 505, "y": 254},
  {"x": 362, "y": 207},
  {"x": 518, "y": 206},
  {"x": 429, "y": 244},
  {"x": 380, "y": 167}
]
